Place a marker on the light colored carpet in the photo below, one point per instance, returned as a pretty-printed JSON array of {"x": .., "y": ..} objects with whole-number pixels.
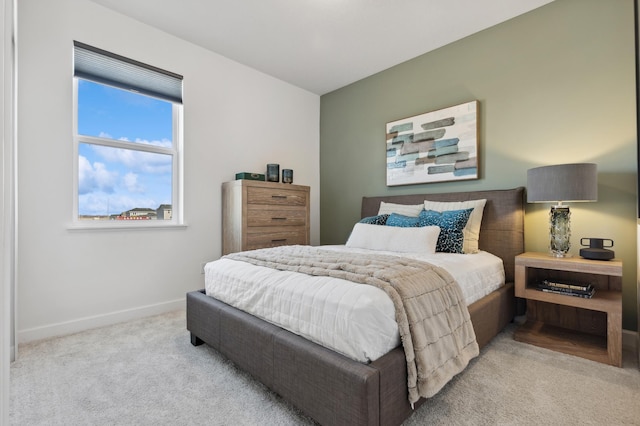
[{"x": 146, "y": 372}]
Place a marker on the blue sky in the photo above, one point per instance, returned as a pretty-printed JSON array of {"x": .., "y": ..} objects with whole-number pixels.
[{"x": 112, "y": 180}]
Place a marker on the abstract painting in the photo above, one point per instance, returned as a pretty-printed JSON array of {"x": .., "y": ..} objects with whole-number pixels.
[{"x": 436, "y": 146}]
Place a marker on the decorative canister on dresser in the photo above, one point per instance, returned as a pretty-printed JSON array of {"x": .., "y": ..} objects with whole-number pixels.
[
  {"x": 263, "y": 214},
  {"x": 273, "y": 172},
  {"x": 287, "y": 176}
]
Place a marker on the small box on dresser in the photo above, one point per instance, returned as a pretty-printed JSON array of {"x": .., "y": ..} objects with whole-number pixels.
[
  {"x": 587, "y": 327},
  {"x": 263, "y": 214}
]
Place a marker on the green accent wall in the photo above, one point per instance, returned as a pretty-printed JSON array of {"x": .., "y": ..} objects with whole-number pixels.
[{"x": 555, "y": 85}]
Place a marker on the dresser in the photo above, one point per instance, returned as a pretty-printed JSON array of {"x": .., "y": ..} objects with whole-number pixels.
[{"x": 257, "y": 214}]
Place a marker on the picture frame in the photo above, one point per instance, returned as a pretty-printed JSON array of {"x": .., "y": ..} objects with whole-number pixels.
[{"x": 437, "y": 146}]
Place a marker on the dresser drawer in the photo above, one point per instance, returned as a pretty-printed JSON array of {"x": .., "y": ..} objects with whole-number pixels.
[
  {"x": 276, "y": 217},
  {"x": 265, "y": 238},
  {"x": 276, "y": 196}
]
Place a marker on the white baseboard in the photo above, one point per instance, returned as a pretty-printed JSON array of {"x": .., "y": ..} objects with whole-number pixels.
[
  {"x": 87, "y": 323},
  {"x": 629, "y": 340}
]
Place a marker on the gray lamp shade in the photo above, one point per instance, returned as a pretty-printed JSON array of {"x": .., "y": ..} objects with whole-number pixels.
[{"x": 563, "y": 182}]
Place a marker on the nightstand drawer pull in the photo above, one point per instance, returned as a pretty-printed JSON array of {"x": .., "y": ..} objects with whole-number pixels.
[
  {"x": 283, "y": 197},
  {"x": 282, "y": 240},
  {"x": 278, "y": 218}
]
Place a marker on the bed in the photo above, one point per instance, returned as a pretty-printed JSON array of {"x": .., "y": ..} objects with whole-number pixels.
[{"x": 334, "y": 389}]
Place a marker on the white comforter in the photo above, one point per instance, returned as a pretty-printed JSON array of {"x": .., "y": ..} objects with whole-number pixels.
[{"x": 354, "y": 319}]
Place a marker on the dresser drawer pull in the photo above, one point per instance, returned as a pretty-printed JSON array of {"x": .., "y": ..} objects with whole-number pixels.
[
  {"x": 279, "y": 196},
  {"x": 278, "y": 218},
  {"x": 281, "y": 240}
]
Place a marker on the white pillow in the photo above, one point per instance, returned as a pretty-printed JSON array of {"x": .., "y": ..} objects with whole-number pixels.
[
  {"x": 421, "y": 239},
  {"x": 471, "y": 231},
  {"x": 403, "y": 209}
]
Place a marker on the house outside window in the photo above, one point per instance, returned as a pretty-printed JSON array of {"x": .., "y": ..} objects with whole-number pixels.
[{"x": 127, "y": 141}]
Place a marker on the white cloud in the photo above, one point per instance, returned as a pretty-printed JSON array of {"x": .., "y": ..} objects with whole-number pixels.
[
  {"x": 130, "y": 182},
  {"x": 165, "y": 143},
  {"x": 94, "y": 177},
  {"x": 98, "y": 203},
  {"x": 137, "y": 161}
]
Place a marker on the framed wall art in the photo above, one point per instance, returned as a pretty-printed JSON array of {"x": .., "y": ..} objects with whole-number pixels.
[{"x": 436, "y": 146}]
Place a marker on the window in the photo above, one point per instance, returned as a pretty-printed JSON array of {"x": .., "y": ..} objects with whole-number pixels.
[{"x": 128, "y": 140}]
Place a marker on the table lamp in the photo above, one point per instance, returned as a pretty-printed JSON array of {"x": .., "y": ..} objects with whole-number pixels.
[{"x": 558, "y": 184}]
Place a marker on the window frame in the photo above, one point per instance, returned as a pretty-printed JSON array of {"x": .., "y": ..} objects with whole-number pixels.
[{"x": 176, "y": 153}]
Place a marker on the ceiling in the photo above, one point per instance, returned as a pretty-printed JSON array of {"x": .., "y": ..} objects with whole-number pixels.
[{"x": 321, "y": 45}]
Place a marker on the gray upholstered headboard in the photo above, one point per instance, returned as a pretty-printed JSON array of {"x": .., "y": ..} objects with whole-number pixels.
[{"x": 502, "y": 229}]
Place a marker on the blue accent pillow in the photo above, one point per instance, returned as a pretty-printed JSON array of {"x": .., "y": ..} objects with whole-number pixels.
[
  {"x": 403, "y": 221},
  {"x": 380, "y": 219},
  {"x": 451, "y": 223}
]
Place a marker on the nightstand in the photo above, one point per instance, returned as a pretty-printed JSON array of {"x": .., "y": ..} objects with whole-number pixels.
[{"x": 589, "y": 328}]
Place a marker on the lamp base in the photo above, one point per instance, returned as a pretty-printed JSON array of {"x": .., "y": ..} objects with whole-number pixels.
[
  {"x": 559, "y": 231},
  {"x": 560, "y": 254}
]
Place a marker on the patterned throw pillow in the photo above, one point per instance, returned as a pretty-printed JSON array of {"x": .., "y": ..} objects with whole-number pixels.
[
  {"x": 451, "y": 224},
  {"x": 403, "y": 221},
  {"x": 380, "y": 219},
  {"x": 471, "y": 231}
]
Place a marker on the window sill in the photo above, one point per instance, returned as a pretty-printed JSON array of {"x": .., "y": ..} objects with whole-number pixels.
[{"x": 110, "y": 226}]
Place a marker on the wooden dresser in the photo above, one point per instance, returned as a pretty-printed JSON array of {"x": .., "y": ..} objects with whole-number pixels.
[{"x": 257, "y": 214}]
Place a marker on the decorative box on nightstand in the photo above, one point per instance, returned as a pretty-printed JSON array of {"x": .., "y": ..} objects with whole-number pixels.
[{"x": 586, "y": 327}]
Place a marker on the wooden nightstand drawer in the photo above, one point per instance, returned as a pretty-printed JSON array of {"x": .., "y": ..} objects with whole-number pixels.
[{"x": 276, "y": 197}]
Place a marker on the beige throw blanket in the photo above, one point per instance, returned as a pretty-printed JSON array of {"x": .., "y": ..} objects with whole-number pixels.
[{"x": 433, "y": 319}]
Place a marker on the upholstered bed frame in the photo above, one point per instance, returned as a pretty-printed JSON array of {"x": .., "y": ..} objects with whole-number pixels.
[{"x": 329, "y": 387}]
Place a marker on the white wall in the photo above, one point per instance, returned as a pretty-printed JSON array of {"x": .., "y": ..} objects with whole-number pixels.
[
  {"x": 6, "y": 213},
  {"x": 235, "y": 119}
]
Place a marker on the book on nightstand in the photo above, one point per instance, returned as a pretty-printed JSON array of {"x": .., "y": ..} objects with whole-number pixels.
[{"x": 570, "y": 289}]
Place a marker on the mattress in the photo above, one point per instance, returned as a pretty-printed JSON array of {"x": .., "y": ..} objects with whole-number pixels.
[{"x": 355, "y": 320}]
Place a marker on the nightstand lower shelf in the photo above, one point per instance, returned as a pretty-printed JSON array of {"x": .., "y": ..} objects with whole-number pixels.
[{"x": 564, "y": 340}]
